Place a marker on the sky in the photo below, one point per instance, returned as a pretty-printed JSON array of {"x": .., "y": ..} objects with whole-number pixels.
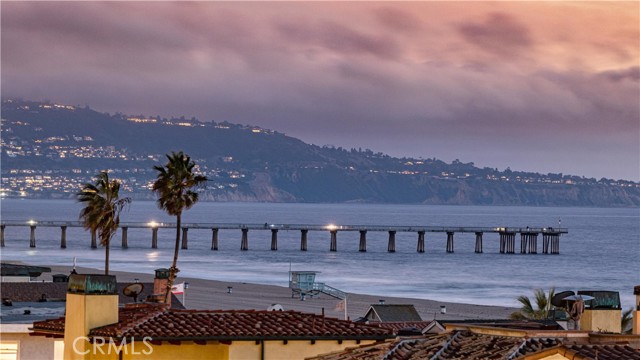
[{"x": 535, "y": 86}]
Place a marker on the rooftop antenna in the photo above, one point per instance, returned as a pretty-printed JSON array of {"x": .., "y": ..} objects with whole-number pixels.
[{"x": 133, "y": 290}]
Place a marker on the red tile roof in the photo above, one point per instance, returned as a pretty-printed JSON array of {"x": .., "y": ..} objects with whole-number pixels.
[
  {"x": 466, "y": 345},
  {"x": 162, "y": 324}
]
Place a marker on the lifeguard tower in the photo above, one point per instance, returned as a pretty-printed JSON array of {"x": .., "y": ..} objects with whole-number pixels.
[{"x": 304, "y": 283}]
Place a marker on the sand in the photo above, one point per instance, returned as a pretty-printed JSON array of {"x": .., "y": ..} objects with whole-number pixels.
[{"x": 211, "y": 294}]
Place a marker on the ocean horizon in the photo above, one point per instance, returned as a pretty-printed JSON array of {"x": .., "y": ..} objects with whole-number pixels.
[{"x": 600, "y": 252}]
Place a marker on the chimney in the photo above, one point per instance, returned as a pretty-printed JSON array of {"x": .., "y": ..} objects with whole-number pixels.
[
  {"x": 92, "y": 301},
  {"x": 160, "y": 285},
  {"x": 636, "y": 311}
]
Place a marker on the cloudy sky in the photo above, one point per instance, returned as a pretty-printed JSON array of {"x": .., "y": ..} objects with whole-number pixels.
[{"x": 541, "y": 86}]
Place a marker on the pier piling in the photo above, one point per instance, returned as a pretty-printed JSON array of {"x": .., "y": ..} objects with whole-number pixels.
[
  {"x": 420, "y": 248},
  {"x": 2, "y": 235},
  {"x": 478, "y": 243},
  {"x": 533, "y": 243},
  {"x": 185, "y": 238},
  {"x": 450, "y": 241},
  {"x": 303, "y": 239},
  {"x": 392, "y": 241},
  {"x": 334, "y": 241},
  {"x": 154, "y": 237},
  {"x": 524, "y": 238},
  {"x": 125, "y": 240},
  {"x": 94, "y": 244},
  {"x": 363, "y": 241},
  {"x": 274, "y": 239},
  {"x": 32, "y": 239},
  {"x": 214, "y": 239},
  {"x": 244, "y": 243},
  {"x": 63, "y": 237}
]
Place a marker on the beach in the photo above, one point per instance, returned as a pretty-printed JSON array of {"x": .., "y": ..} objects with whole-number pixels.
[{"x": 213, "y": 295}]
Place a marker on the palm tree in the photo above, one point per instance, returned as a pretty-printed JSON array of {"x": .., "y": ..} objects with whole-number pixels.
[
  {"x": 173, "y": 186},
  {"x": 101, "y": 213},
  {"x": 528, "y": 311},
  {"x": 625, "y": 321}
]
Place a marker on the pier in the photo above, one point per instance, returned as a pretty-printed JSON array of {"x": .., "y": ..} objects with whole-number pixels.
[{"x": 506, "y": 235}]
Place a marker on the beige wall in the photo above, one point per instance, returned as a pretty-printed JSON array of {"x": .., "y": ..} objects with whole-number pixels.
[
  {"x": 277, "y": 350},
  {"x": 31, "y": 347},
  {"x": 85, "y": 312},
  {"x": 601, "y": 320},
  {"x": 237, "y": 350}
]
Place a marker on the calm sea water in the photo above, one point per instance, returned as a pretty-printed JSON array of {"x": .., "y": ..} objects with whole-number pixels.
[{"x": 600, "y": 252}]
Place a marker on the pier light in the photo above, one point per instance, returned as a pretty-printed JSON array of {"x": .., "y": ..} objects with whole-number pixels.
[
  {"x": 331, "y": 227},
  {"x": 32, "y": 222},
  {"x": 152, "y": 224}
]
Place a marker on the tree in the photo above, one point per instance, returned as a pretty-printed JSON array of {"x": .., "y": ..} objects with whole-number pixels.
[
  {"x": 528, "y": 311},
  {"x": 625, "y": 321},
  {"x": 173, "y": 186},
  {"x": 101, "y": 213}
]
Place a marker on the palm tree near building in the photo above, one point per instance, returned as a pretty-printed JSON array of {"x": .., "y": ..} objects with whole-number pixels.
[
  {"x": 102, "y": 208},
  {"x": 174, "y": 186},
  {"x": 529, "y": 311},
  {"x": 625, "y": 321}
]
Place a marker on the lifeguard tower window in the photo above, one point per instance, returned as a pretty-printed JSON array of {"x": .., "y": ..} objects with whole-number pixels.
[{"x": 602, "y": 299}]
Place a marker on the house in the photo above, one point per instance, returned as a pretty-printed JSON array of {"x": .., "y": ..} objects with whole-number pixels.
[
  {"x": 392, "y": 313},
  {"x": 20, "y": 273},
  {"x": 96, "y": 328},
  {"x": 27, "y": 302},
  {"x": 492, "y": 343}
]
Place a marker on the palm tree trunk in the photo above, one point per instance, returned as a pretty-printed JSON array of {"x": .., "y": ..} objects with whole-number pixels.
[
  {"x": 173, "y": 271},
  {"x": 106, "y": 257}
]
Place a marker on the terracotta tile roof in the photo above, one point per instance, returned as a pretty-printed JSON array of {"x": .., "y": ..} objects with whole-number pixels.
[
  {"x": 458, "y": 345},
  {"x": 33, "y": 291},
  {"x": 161, "y": 324},
  {"x": 604, "y": 352}
]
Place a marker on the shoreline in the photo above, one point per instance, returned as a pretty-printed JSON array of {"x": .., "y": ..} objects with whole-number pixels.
[{"x": 205, "y": 294}]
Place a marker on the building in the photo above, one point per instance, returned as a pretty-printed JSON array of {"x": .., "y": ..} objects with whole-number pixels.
[
  {"x": 96, "y": 328},
  {"x": 20, "y": 273},
  {"x": 481, "y": 343},
  {"x": 27, "y": 302}
]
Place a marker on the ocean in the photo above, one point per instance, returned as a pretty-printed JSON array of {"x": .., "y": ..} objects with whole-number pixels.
[{"x": 601, "y": 251}]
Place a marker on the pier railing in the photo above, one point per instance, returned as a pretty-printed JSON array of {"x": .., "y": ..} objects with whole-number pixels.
[{"x": 507, "y": 234}]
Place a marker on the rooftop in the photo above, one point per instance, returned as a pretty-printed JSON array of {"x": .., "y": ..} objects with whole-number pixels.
[
  {"x": 197, "y": 325},
  {"x": 468, "y": 345}
]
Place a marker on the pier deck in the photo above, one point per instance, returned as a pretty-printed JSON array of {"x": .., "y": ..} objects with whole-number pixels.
[{"x": 507, "y": 235}]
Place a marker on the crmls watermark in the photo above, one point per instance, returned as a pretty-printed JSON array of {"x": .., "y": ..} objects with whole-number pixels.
[{"x": 108, "y": 346}]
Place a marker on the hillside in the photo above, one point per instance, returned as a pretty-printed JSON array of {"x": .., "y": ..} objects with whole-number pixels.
[{"x": 48, "y": 150}]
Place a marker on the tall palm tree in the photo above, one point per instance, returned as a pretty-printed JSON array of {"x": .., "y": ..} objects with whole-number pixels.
[
  {"x": 173, "y": 186},
  {"x": 626, "y": 321},
  {"x": 101, "y": 213},
  {"x": 540, "y": 311}
]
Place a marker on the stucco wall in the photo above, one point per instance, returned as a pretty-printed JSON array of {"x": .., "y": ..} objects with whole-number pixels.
[
  {"x": 601, "y": 320},
  {"x": 31, "y": 347}
]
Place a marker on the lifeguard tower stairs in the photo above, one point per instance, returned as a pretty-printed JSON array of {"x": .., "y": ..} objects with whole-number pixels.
[{"x": 303, "y": 283}]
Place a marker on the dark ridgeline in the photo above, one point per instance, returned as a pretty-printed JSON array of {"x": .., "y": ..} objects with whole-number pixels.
[{"x": 248, "y": 163}]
